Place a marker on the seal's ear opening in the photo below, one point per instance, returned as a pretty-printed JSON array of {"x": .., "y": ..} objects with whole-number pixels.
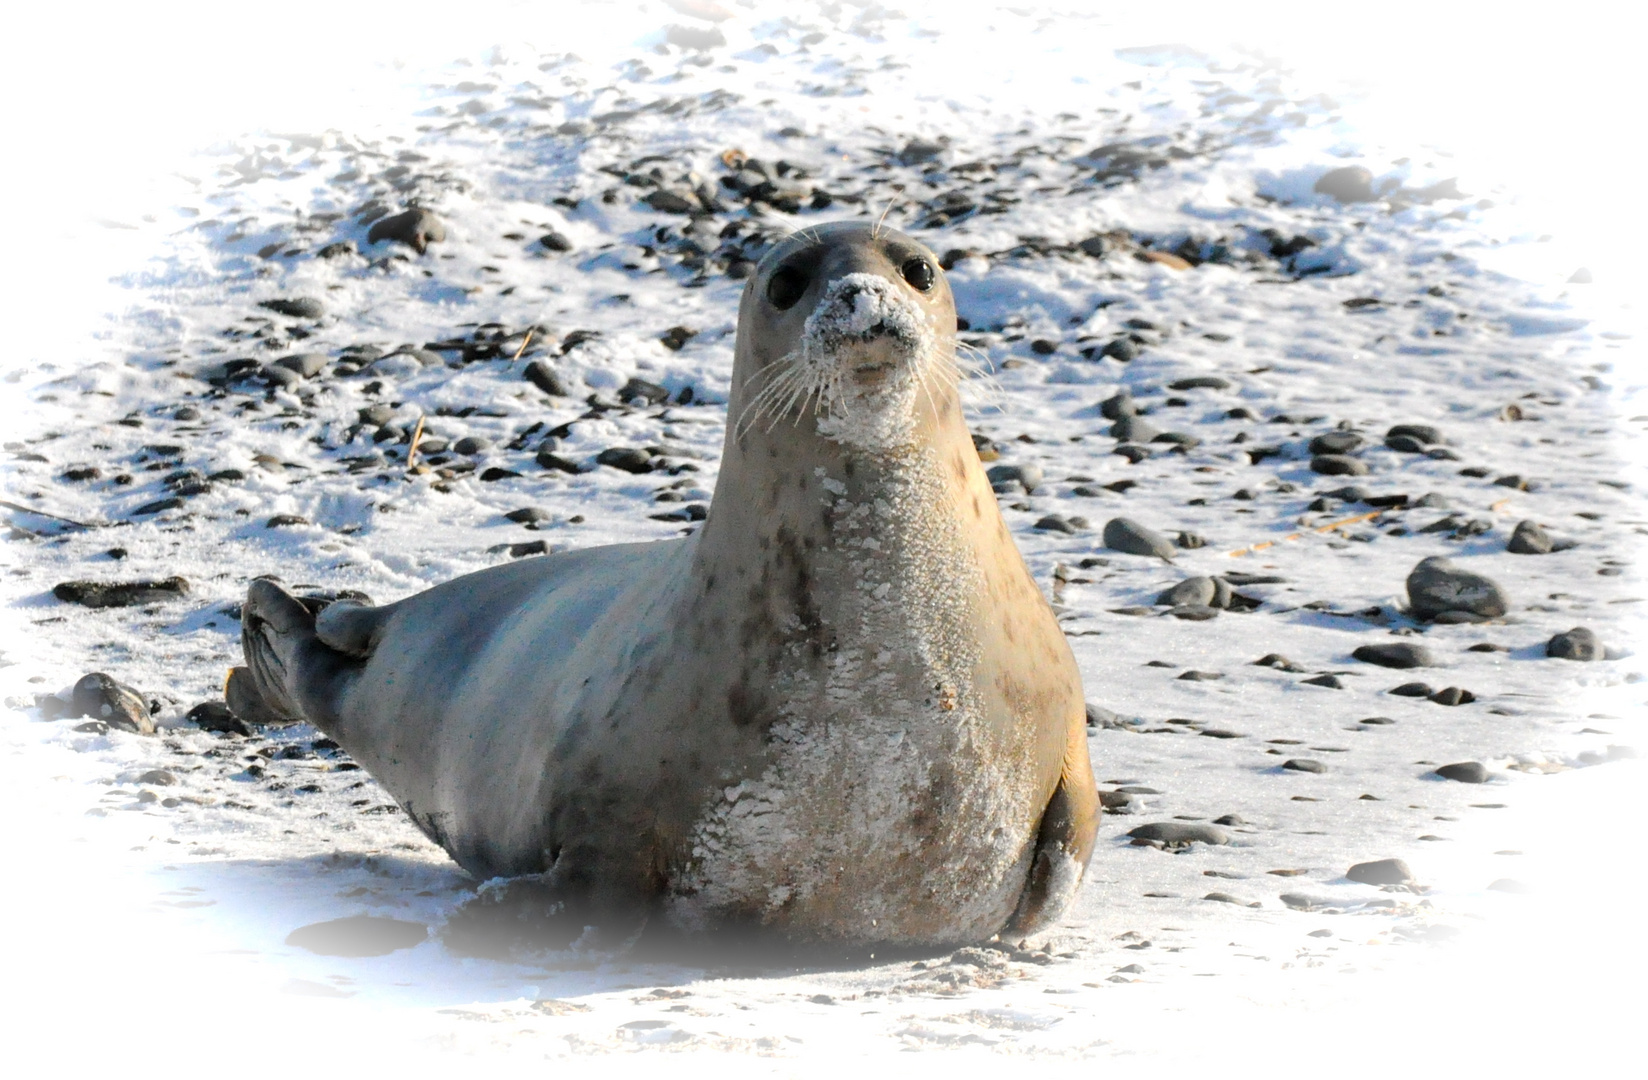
[{"x": 786, "y": 286}]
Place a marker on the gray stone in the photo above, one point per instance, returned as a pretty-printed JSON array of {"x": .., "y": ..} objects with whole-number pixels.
[
  {"x": 1122, "y": 350},
  {"x": 1336, "y": 442},
  {"x": 1436, "y": 587},
  {"x": 1411, "y": 689},
  {"x": 1134, "y": 429},
  {"x": 1127, "y": 535},
  {"x": 528, "y": 515},
  {"x": 1180, "y": 832},
  {"x": 1304, "y": 765},
  {"x": 1337, "y": 465},
  {"x": 1346, "y": 184},
  {"x": 1576, "y": 644},
  {"x": 102, "y": 698},
  {"x": 1026, "y": 476},
  {"x": 471, "y": 445},
  {"x": 306, "y": 365},
  {"x": 1118, "y": 406},
  {"x": 1405, "y": 444},
  {"x": 1381, "y": 872},
  {"x": 112, "y": 594},
  {"x": 628, "y": 458},
  {"x": 1196, "y": 590},
  {"x": 545, "y": 378},
  {"x": 1466, "y": 772},
  {"x": 1452, "y": 695},
  {"x": 1528, "y": 538},
  {"x": 1425, "y": 433},
  {"x": 555, "y": 241},
  {"x": 1395, "y": 654},
  {"x": 1055, "y": 523},
  {"x": 416, "y": 228},
  {"x": 297, "y": 307},
  {"x": 1200, "y": 382}
]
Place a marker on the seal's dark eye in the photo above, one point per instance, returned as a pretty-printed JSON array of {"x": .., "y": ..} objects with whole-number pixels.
[
  {"x": 785, "y": 287},
  {"x": 918, "y": 272}
]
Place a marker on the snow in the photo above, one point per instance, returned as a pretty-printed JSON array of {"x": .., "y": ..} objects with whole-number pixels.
[{"x": 153, "y": 917}]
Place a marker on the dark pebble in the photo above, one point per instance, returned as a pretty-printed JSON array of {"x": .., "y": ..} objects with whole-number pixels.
[
  {"x": 1200, "y": 382},
  {"x": 1180, "y": 832},
  {"x": 1332, "y": 682},
  {"x": 528, "y": 547},
  {"x": 1425, "y": 433},
  {"x": 1336, "y": 442},
  {"x": 298, "y": 307},
  {"x": 1122, "y": 349},
  {"x": 1134, "y": 429},
  {"x": 306, "y": 365},
  {"x": 470, "y": 445},
  {"x": 1528, "y": 538},
  {"x": 1404, "y": 444},
  {"x": 376, "y": 415},
  {"x": 1436, "y": 588},
  {"x": 1346, "y": 184},
  {"x": 1127, "y": 535},
  {"x": 283, "y": 520},
  {"x": 1337, "y": 465},
  {"x": 215, "y": 716},
  {"x": 1381, "y": 872},
  {"x": 496, "y": 473},
  {"x": 641, "y": 390},
  {"x": 1466, "y": 772},
  {"x": 1411, "y": 689},
  {"x": 554, "y": 241},
  {"x": 416, "y": 228},
  {"x": 100, "y": 697},
  {"x": 1579, "y": 643},
  {"x": 545, "y": 378},
  {"x": 556, "y": 462},
  {"x": 628, "y": 458},
  {"x": 1196, "y": 590},
  {"x": 107, "y": 594},
  {"x": 1028, "y": 477},
  {"x": 1230, "y": 819},
  {"x": 527, "y": 515},
  {"x": 1304, "y": 765},
  {"x": 1453, "y": 695},
  {"x": 1201, "y": 676},
  {"x": 1279, "y": 662},
  {"x": 1055, "y": 523},
  {"x": 1395, "y": 654},
  {"x": 1118, "y": 406}
]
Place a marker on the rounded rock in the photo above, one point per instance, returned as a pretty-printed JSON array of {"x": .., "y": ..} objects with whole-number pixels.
[
  {"x": 1381, "y": 872},
  {"x": 1579, "y": 643},
  {"x": 1437, "y": 587},
  {"x": 1337, "y": 465},
  {"x": 1127, "y": 535},
  {"x": 1528, "y": 538},
  {"x": 1395, "y": 654}
]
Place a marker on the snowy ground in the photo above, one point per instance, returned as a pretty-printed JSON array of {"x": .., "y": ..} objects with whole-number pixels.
[{"x": 174, "y": 892}]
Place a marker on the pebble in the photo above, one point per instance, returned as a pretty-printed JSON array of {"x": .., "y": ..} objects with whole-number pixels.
[
  {"x": 1337, "y": 465},
  {"x": 1119, "y": 406},
  {"x": 215, "y": 716},
  {"x": 528, "y": 515},
  {"x": 300, "y": 307},
  {"x": 1200, "y": 382},
  {"x": 416, "y": 228},
  {"x": 1127, "y": 535},
  {"x": 111, "y": 594},
  {"x": 1122, "y": 350},
  {"x": 1230, "y": 819},
  {"x": 1404, "y": 444},
  {"x": 1411, "y": 689},
  {"x": 1381, "y": 872},
  {"x": 554, "y": 241},
  {"x": 1529, "y": 538},
  {"x": 1395, "y": 654},
  {"x": 1452, "y": 695},
  {"x": 1304, "y": 765},
  {"x": 1466, "y": 772},
  {"x": 306, "y": 365},
  {"x": 279, "y": 521},
  {"x": 1026, "y": 476},
  {"x": 555, "y": 462},
  {"x": 1196, "y": 590},
  {"x": 1579, "y": 643},
  {"x": 102, "y": 698},
  {"x": 1425, "y": 433},
  {"x": 1332, "y": 682},
  {"x": 1279, "y": 662},
  {"x": 1337, "y": 442},
  {"x": 1134, "y": 429},
  {"x": 641, "y": 390},
  {"x": 1346, "y": 184},
  {"x": 376, "y": 415},
  {"x": 1055, "y": 523},
  {"x": 1438, "y": 588},
  {"x": 628, "y": 458},
  {"x": 1180, "y": 832},
  {"x": 546, "y": 378},
  {"x": 470, "y": 445}
]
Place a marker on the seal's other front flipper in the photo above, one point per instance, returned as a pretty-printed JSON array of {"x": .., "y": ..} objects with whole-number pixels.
[{"x": 296, "y": 668}]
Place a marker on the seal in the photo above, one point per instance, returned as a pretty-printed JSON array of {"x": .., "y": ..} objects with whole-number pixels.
[{"x": 841, "y": 711}]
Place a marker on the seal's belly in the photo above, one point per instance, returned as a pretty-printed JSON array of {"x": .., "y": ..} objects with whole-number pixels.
[{"x": 866, "y": 830}]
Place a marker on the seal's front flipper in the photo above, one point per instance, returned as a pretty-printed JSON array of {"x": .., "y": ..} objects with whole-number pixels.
[
  {"x": 296, "y": 668},
  {"x": 1064, "y": 843}
]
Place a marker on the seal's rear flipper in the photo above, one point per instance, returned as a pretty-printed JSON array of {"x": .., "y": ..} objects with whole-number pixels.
[{"x": 294, "y": 670}]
